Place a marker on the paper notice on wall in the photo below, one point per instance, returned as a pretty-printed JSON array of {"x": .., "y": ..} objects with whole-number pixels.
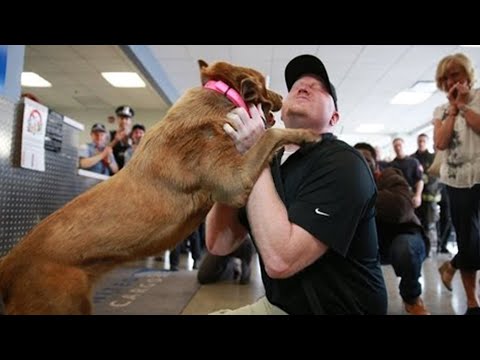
[{"x": 33, "y": 135}]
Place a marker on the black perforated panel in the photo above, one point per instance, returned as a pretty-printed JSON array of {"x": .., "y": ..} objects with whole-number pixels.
[{"x": 27, "y": 196}]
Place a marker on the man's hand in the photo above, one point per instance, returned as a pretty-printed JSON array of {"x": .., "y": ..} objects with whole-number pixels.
[
  {"x": 245, "y": 131},
  {"x": 416, "y": 201},
  {"x": 107, "y": 152}
]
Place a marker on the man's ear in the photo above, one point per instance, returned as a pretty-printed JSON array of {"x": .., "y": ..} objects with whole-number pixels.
[
  {"x": 334, "y": 119},
  {"x": 203, "y": 65}
]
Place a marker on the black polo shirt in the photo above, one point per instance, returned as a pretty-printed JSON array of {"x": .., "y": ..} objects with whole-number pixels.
[
  {"x": 411, "y": 169},
  {"x": 119, "y": 150},
  {"x": 329, "y": 191}
]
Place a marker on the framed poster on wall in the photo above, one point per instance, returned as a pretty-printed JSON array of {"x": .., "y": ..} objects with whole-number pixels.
[{"x": 34, "y": 127}]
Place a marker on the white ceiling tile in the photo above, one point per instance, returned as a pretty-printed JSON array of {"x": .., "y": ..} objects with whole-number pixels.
[
  {"x": 210, "y": 53},
  {"x": 288, "y": 52},
  {"x": 169, "y": 51}
]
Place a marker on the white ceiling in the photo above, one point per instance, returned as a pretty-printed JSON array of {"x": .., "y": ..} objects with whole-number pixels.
[
  {"x": 75, "y": 74},
  {"x": 366, "y": 78}
]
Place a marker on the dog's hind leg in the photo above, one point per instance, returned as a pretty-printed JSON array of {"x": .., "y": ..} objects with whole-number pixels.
[{"x": 235, "y": 178}]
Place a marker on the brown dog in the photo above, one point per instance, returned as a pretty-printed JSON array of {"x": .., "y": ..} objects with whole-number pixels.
[{"x": 184, "y": 164}]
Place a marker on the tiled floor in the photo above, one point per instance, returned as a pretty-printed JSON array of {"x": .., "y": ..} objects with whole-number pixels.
[
  {"x": 437, "y": 298},
  {"x": 172, "y": 293}
]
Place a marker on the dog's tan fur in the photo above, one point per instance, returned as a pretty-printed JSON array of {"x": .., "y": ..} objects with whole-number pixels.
[{"x": 184, "y": 164}]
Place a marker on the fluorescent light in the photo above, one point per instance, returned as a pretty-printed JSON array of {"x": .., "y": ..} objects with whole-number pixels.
[
  {"x": 410, "y": 98},
  {"x": 31, "y": 79},
  {"x": 124, "y": 79},
  {"x": 370, "y": 128},
  {"x": 416, "y": 94},
  {"x": 470, "y": 45}
]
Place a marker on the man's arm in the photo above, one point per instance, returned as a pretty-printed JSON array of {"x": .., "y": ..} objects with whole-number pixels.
[
  {"x": 112, "y": 162},
  {"x": 417, "y": 198},
  {"x": 286, "y": 248},
  {"x": 224, "y": 233}
]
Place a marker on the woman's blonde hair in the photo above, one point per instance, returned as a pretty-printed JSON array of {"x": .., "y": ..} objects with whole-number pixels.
[{"x": 457, "y": 59}]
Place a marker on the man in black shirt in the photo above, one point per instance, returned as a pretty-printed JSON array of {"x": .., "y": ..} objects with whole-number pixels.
[
  {"x": 426, "y": 212},
  {"x": 411, "y": 169},
  {"x": 311, "y": 216},
  {"x": 120, "y": 138}
]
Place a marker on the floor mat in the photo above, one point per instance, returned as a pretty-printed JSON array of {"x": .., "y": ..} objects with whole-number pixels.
[{"x": 143, "y": 291}]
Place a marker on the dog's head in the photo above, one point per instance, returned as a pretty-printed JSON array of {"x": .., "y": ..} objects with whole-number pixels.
[{"x": 247, "y": 82}]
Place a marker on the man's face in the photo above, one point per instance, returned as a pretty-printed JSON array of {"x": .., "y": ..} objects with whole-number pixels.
[
  {"x": 99, "y": 137},
  {"x": 124, "y": 123},
  {"x": 308, "y": 104},
  {"x": 369, "y": 159},
  {"x": 422, "y": 143},
  {"x": 137, "y": 135},
  {"x": 398, "y": 148}
]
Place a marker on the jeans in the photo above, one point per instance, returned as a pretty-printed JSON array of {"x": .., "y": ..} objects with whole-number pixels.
[{"x": 406, "y": 254}]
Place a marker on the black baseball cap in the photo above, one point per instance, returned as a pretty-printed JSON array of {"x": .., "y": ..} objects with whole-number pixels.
[
  {"x": 309, "y": 64},
  {"x": 98, "y": 127}
]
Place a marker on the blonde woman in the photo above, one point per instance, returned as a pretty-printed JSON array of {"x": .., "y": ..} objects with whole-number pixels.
[{"x": 457, "y": 131}]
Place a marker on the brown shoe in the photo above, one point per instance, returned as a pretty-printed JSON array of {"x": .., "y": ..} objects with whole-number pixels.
[
  {"x": 417, "y": 307},
  {"x": 447, "y": 271}
]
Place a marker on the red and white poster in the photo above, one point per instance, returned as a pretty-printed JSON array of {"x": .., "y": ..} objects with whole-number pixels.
[{"x": 33, "y": 135}]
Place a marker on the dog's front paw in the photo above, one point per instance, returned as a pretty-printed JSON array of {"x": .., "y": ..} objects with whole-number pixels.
[{"x": 310, "y": 136}]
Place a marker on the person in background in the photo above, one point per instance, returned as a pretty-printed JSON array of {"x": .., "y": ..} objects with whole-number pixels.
[
  {"x": 192, "y": 242},
  {"x": 138, "y": 131},
  {"x": 312, "y": 222},
  {"x": 216, "y": 268},
  {"x": 96, "y": 156},
  {"x": 427, "y": 211},
  {"x": 457, "y": 132},
  {"x": 120, "y": 140},
  {"x": 411, "y": 169},
  {"x": 402, "y": 239},
  {"x": 381, "y": 163}
]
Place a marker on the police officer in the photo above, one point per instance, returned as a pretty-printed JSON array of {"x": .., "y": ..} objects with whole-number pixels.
[{"x": 120, "y": 140}]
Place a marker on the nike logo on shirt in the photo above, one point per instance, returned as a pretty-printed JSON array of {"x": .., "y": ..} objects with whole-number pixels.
[{"x": 317, "y": 211}]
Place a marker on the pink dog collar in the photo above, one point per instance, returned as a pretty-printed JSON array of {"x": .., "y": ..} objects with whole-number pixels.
[{"x": 230, "y": 93}]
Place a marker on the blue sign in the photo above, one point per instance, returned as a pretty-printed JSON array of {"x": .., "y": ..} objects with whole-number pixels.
[{"x": 3, "y": 65}]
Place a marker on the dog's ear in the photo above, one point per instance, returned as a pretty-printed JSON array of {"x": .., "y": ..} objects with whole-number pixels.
[
  {"x": 203, "y": 65},
  {"x": 276, "y": 100},
  {"x": 276, "y": 104},
  {"x": 250, "y": 91}
]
